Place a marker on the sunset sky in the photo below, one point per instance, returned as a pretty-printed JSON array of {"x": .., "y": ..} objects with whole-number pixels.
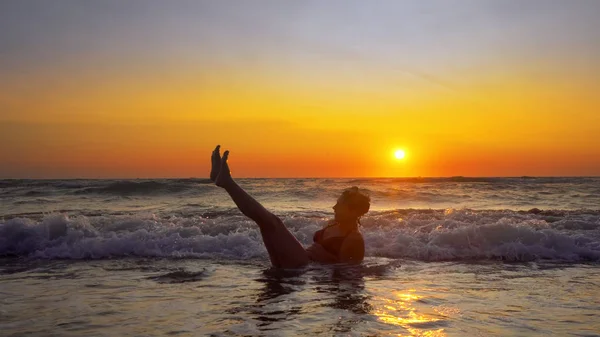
[{"x": 145, "y": 88}]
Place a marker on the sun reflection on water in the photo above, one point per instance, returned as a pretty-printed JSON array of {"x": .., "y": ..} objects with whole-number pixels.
[{"x": 399, "y": 310}]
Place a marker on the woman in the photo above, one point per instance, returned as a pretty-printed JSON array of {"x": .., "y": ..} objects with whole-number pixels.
[{"x": 340, "y": 242}]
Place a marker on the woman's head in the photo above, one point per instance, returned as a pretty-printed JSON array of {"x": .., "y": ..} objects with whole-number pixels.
[{"x": 351, "y": 205}]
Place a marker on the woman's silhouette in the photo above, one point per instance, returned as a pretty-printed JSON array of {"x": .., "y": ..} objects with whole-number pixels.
[{"x": 339, "y": 242}]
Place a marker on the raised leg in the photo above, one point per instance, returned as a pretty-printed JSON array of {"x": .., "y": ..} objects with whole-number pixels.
[
  {"x": 215, "y": 159},
  {"x": 284, "y": 249}
]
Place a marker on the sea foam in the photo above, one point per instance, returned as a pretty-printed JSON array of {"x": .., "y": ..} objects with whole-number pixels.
[{"x": 427, "y": 235}]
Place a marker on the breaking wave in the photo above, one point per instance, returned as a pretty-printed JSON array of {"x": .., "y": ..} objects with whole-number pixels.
[
  {"x": 426, "y": 235},
  {"x": 137, "y": 188}
]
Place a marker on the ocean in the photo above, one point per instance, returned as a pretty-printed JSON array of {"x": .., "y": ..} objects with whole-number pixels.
[{"x": 444, "y": 257}]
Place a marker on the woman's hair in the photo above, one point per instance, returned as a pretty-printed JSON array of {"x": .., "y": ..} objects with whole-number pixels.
[{"x": 357, "y": 200}]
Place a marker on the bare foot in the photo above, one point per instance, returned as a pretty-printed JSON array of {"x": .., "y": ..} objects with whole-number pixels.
[
  {"x": 224, "y": 177},
  {"x": 216, "y": 163}
]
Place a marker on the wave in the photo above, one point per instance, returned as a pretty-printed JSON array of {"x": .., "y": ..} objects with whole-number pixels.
[
  {"x": 489, "y": 235},
  {"x": 91, "y": 185},
  {"x": 68, "y": 183},
  {"x": 407, "y": 194},
  {"x": 127, "y": 187},
  {"x": 426, "y": 235},
  {"x": 495, "y": 180},
  {"x": 180, "y": 276}
]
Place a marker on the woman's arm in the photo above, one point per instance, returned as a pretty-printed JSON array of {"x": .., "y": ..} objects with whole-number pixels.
[{"x": 353, "y": 249}]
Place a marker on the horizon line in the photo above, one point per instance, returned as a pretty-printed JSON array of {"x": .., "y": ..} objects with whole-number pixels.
[{"x": 364, "y": 177}]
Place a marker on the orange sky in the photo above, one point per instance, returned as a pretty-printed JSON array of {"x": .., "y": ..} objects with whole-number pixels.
[{"x": 480, "y": 100}]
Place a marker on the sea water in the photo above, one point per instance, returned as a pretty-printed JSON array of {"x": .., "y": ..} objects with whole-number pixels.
[{"x": 444, "y": 257}]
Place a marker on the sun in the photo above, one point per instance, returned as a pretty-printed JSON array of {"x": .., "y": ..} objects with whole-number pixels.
[{"x": 399, "y": 154}]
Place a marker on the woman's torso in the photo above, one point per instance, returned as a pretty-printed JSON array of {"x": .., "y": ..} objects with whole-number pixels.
[{"x": 332, "y": 238}]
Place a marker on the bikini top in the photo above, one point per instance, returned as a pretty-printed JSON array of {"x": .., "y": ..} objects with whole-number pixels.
[{"x": 332, "y": 244}]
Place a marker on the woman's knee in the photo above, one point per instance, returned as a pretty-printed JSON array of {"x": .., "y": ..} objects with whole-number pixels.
[{"x": 270, "y": 223}]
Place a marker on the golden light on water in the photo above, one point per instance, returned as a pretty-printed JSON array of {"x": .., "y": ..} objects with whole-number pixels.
[{"x": 399, "y": 310}]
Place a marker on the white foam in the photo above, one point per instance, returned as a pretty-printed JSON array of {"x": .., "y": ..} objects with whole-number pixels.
[
  {"x": 422, "y": 235},
  {"x": 464, "y": 235}
]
